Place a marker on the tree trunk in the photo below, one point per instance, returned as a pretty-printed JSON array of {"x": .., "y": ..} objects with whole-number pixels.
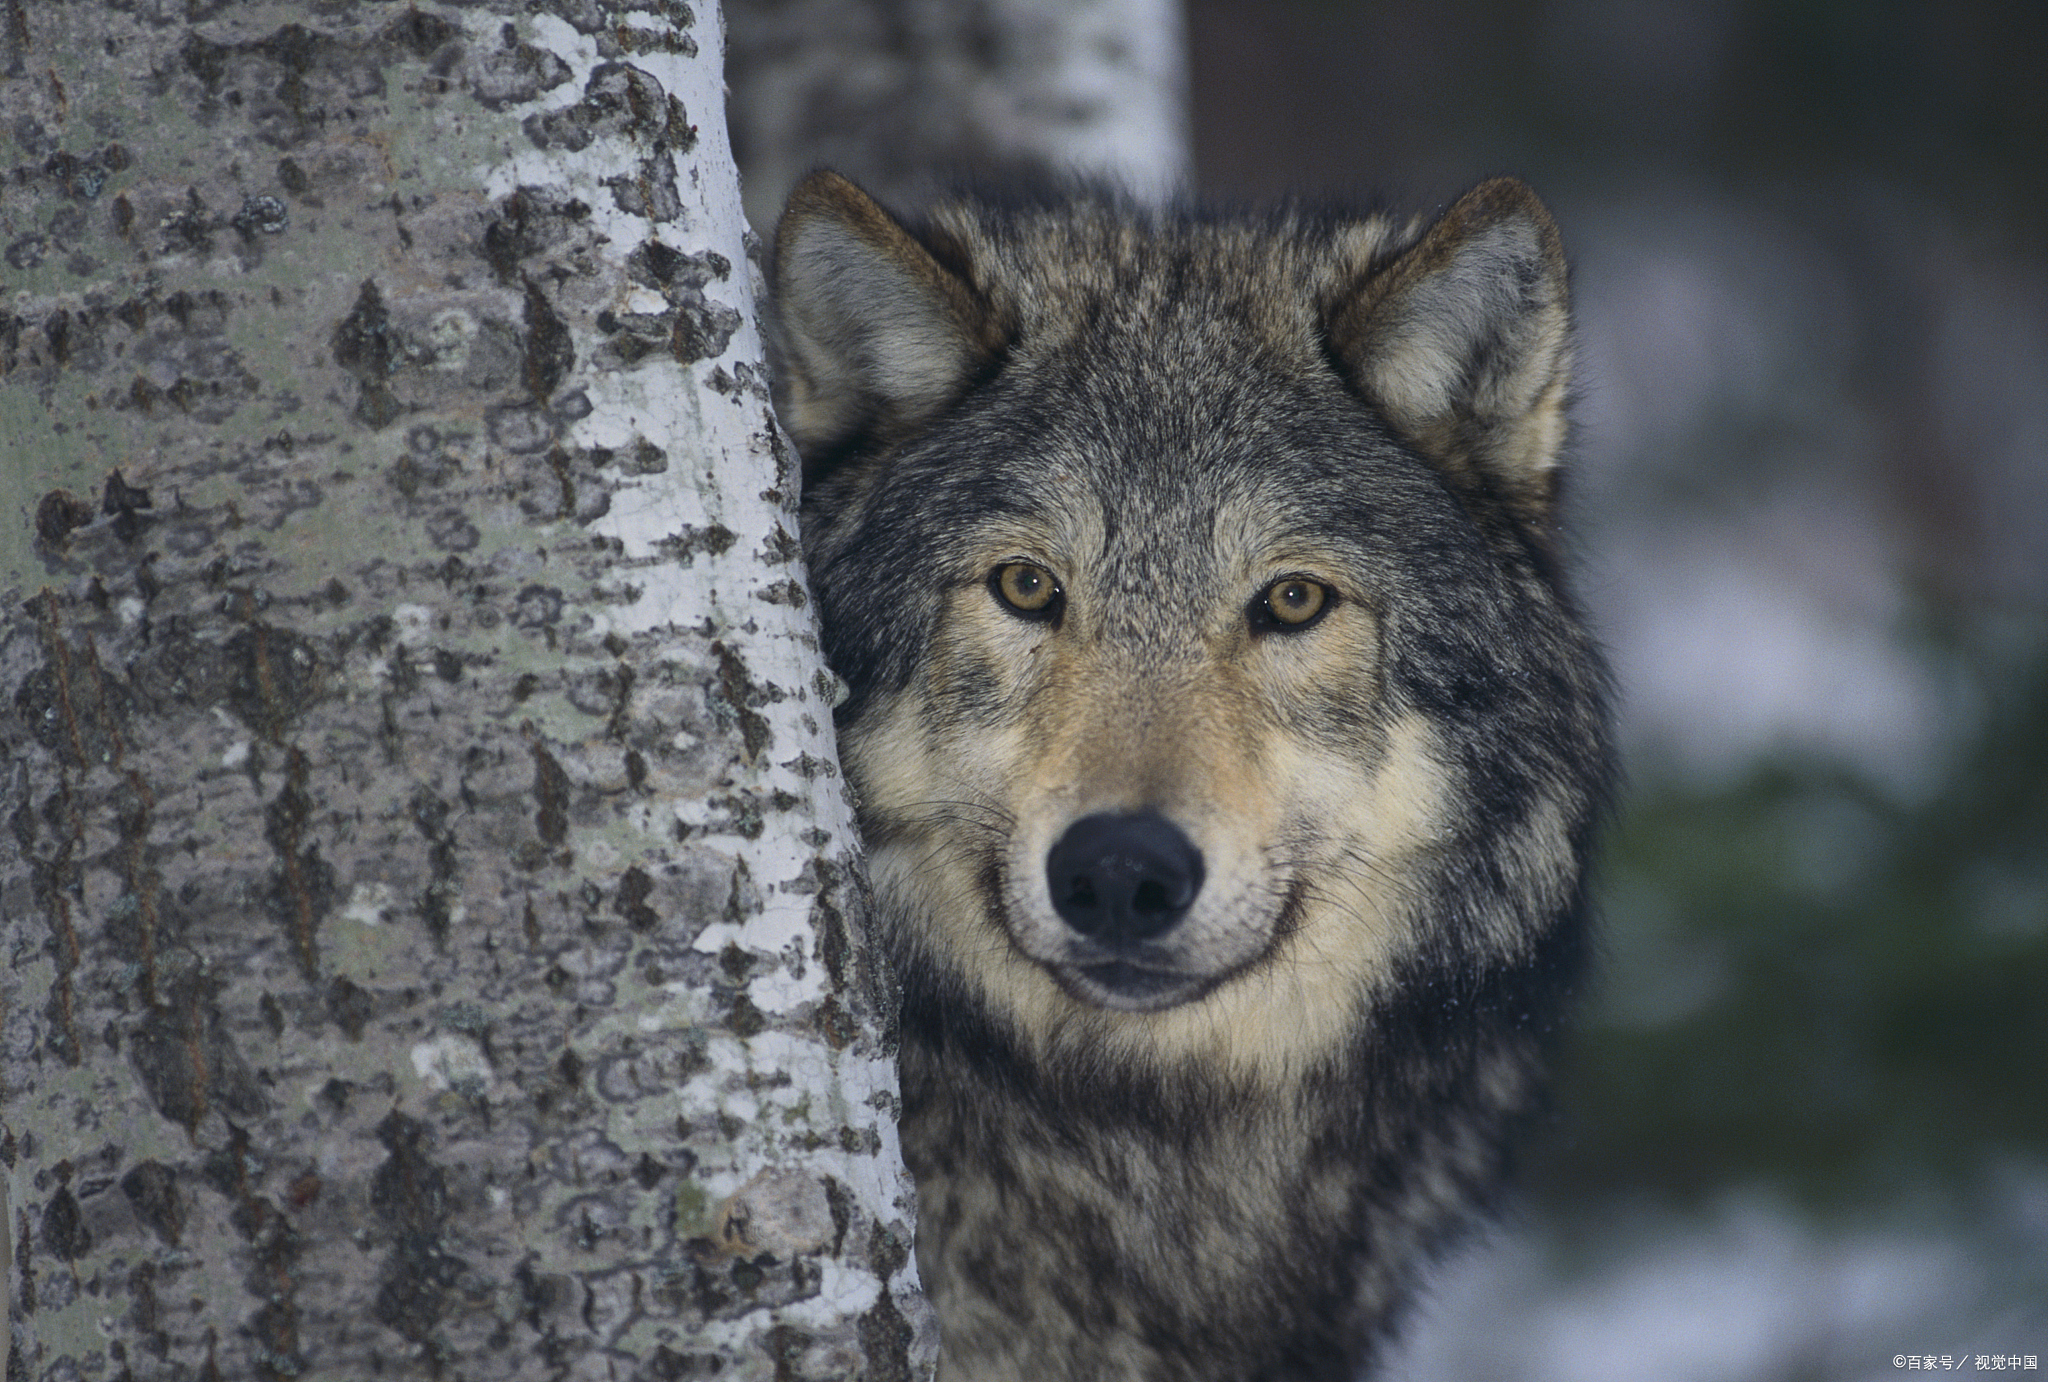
[
  {"x": 433, "y": 938},
  {"x": 896, "y": 92}
]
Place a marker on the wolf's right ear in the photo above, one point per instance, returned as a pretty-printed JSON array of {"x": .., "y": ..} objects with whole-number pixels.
[
  {"x": 1463, "y": 339},
  {"x": 875, "y": 335}
]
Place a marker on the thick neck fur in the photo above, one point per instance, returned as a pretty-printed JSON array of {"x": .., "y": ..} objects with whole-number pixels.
[{"x": 1277, "y": 1229}]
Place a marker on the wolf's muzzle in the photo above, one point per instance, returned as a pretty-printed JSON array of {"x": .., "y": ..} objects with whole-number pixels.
[{"x": 1118, "y": 879}]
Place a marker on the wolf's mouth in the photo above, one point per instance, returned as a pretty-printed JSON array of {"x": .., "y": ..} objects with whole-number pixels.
[
  {"x": 1134, "y": 980},
  {"x": 1127, "y": 987}
]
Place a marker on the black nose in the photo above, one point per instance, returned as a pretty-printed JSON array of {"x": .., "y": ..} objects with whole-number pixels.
[{"x": 1120, "y": 878}]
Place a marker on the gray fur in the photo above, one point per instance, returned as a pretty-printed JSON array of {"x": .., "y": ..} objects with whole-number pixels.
[{"x": 1221, "y": 1147}]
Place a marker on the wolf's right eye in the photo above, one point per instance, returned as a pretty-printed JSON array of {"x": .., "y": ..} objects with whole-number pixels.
[
  {"x": 1029, "y": 591},
  {"x": 1290, "y": 605}
]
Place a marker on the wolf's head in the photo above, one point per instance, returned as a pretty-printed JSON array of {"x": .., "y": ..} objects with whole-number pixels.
[{"x": 1193, "y": 580}]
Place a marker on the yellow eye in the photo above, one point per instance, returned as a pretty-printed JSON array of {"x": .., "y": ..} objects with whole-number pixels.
[
  {"x": 1291, "y": 604},
  {"x": 1030, "y": 591}
]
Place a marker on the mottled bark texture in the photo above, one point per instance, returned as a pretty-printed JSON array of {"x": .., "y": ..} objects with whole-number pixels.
[
  {"x": 432, "y": 939},
  {"x": 895, "y": 93}
]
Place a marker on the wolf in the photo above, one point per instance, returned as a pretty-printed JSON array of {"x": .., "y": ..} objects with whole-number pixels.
[{"x": 1226, "y": 745}]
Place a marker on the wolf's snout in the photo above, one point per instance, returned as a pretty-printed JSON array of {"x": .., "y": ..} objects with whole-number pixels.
[{"x": 1123, "y": 878}]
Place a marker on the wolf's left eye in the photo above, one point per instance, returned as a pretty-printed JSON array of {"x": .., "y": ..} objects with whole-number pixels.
[
  {"x": 1029, "y": 591},
  {"x": 1291, "y": 604}
]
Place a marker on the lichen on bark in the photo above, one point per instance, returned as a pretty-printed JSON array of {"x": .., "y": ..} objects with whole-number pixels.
[{"x": 434, "y": 943}]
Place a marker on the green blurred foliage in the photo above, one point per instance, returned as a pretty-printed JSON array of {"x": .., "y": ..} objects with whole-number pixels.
[{"x": 1809, "y": 986}]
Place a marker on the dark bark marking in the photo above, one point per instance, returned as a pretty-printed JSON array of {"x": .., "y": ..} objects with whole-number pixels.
[
  {"x": 840, "y": 1201},
  {"x": 52, "y": 886},
  {"x": 58, "y": 515},
  {"x": 305, "y": 881},
  {"x": 530, "y": 221},
  {"x": 168, "y": 1051},
  {"x": 65, "y": 1236},
  {"x": 419, "y": 33},
  {"x": 885, "y": 1338},
  {"x": 703, "y": 328},
  {"x": 70, "y": 703},
  {"x": 886, "y": 1252},
  {"x": 189, "y": 229},
  {"x": 617, "y": 723},
  {"x": 56, "y": 327},
  {"x": 558, "y": 461},
  {"x": 650, "y": 191},
  {"x": 28, "y": 1276},
  {"x": 835, "y": 947},
  {"x": 551, "y": 790},
  {"x": 59, "y": 665},
  {"x": 148, "y": 1313},
  {"x": 152, "y": 1188},
  {"x": 743, "y": 1019},
  {"x": 134, "y": 819},
  {"x": 365, "y": 345},
  {"x": 631, "y": 901},
  {"x": 124, "y": 503},
  {"x": 193, "y": 1048},
  {"x": 55, "y": 877},
  {"x": 18, "y": 40},
  {"x": 264, "y": 215},
  {"x": 785, "y": 1343},
  {"x": 732, "y": 684},
  {"x": 697, "y": 327},
  {"x": 410, "y": 1194},
  {"x": 204, "y": 60},
  {"x": 835, "y": 1024},
  {"x": 618, "y": 99},
  {"x": 550, "y": 353},
  {"x": 430, "y": 817},
  {"x": 513, "y": 73},
  {"x": 107, "y": 715},
  {"x": 309, "y": 68},
  {"x": 82, "y": 177},
  {"x": 276, "y": 1245},
  {"x": 275, "y": 675},
  {"x": 350, "y": 1007}
]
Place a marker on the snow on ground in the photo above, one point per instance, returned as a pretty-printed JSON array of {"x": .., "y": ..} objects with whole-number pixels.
[{"x": 1750, "y": 1293}]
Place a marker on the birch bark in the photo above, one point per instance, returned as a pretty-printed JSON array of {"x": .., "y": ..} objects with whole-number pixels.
[{"x": 433, "y": 937}]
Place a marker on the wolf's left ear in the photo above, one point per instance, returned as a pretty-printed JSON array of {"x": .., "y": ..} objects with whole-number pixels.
[
  {"x": 875, "y": 336},
  {"x": 1463, "y": 340}
]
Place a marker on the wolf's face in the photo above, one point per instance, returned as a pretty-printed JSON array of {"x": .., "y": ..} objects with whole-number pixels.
[
  {"x": 1146, "y": 744},
  {"x": 1172, "y": 576}
]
